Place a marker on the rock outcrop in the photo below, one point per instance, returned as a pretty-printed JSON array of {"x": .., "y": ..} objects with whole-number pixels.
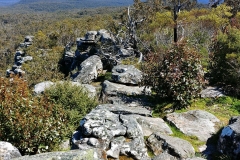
[
  {"x": 229, "y": 140},
  {"x": 116, "y": 133}
]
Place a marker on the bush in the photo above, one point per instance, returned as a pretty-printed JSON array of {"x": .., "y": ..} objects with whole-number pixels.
[
  {"x": 224, "y": 66},
  {"x": 177, "y": 74},
  {"x": 73, "y": 99},
  {"x": 31, "y": 124}
]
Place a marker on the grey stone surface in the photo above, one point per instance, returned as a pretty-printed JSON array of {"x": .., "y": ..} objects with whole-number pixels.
[
  {"x": 89, "y": 70},
  {"x": 123, "y": 109},
  {"x": 211, "y": 92},
  {"x": 8, "y": 151},
  {"x": 126, "y": 74},
  {"x": 195, "y": 123},
  {"x": 165, "y": 156},
  {"x": 229, "y": 140},
  {"x": 150, "y": 125},
  {"x": 114, "y": 89},
  {"x": 87, "y": 154},
  {"x": 107, "y": 127},
  {"x": 174, "y": 146},
  {"x": 40, "y": 87}
]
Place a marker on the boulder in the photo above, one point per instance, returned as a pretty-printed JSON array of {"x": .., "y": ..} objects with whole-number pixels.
[
  {"x": 87, "y": 154},
  {"x": 229, "y": 140},
  {"x": 114, "y": 89},
  {"x": 8, "y": 151},
  {"x": 89, "y": 70},
  {"x": 174, "y": 146},
  {"x": 105, "y": 36},
  {"x": 150, "y": 125},
  {"x": 128, "y": 52},
  {"x": 116, "y": 134},
  {"x": 40, "y": 87},
  {"x": 126, "y": 74},
  {"x": 125, "y": 110},
  {"x": 195, "y": 123},
  {"x": 211, "y": 92}
]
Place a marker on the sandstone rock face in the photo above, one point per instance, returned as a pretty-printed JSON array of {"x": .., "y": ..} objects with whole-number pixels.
[
  {"x": 114, "y": 89},
  {"x": 126, "y": 74},
  {"x": 8, "y": 151},
  {"x": 174, "y": 146},
  {"x": 87, "y": 154},
  {"x": 229, "y": 140},
  {"x": 89, "y": 70},
  {"x": 195, "y": 123},
  {"x": 117, "y": 134}
]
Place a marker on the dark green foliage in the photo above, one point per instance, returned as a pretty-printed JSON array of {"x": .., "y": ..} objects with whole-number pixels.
[
  {"x": 176, "y": 74},
  {"x": 73, "y": 99},
  {"x": 225, "y": 61},
  {"x": 32, "y": 124}
]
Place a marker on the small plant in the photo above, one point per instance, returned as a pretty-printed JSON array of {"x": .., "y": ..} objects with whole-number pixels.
[{"x": 73, "y": 99}]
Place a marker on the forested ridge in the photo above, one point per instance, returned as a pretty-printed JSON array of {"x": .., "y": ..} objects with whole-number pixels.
[{"x": 183, "y": 53}]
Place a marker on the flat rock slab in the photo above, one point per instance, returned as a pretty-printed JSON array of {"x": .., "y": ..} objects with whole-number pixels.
[
  {"x": 194, "y": 123},
  {"x": 160, "y": 143},
  {"x": 125, "y": 110},
  {"x": 89, "y": 154},
  {"x": 151, "y": 125},
  {"x": 114, "y": 89},
  {"x": 126, "y": 74}
]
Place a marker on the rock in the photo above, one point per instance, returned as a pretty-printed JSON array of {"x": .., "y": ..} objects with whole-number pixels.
[
  {"x": 89, "y": 70},
  {"x": 130, "y": 101},
  {"x": 126, "y": 52},
  {"x": 194, "y": 123},
  {"x": 195, "y": 158},
  {"x": 229, "y": 140},
  {"x": 211, "y": 92},
  {"x": 105, "y": 36},
  {"x": 40, "y": 87},
  {"x": 27, "y": 58},
  {"x": 91, "y": 90},
  {"x": 174, "y": 146},
  {"x": 125, "y": 110},
  {"x": 126, "y": 74},
  {"x": 8, "y": 151},
  {"x": 87, "y": 154},
  {"x": 114, "y": 89},
  {"x": 150, "y": 125},
  {"x": 116, "y": 134},
  {"x": 165, "y": 156}
]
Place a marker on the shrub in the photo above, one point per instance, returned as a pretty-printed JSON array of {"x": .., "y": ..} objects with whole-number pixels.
[
  {"x": 177, "y": 74},
  {"x": 73, "y": 99},
  {"x": 29, "y": 123},
  {"x": 224, "y": 66}
]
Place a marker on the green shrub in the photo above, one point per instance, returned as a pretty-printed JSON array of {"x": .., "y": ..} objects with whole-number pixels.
[
  {"x": 177, "y": 74},
  {"x": 73, "y": 99},
  {"x": 225, "y": 61},
  {"x": 29, "y": 123}
]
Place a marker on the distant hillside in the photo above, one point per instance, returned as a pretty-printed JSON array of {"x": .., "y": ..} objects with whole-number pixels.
[{"x": 54, "y": 5}]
